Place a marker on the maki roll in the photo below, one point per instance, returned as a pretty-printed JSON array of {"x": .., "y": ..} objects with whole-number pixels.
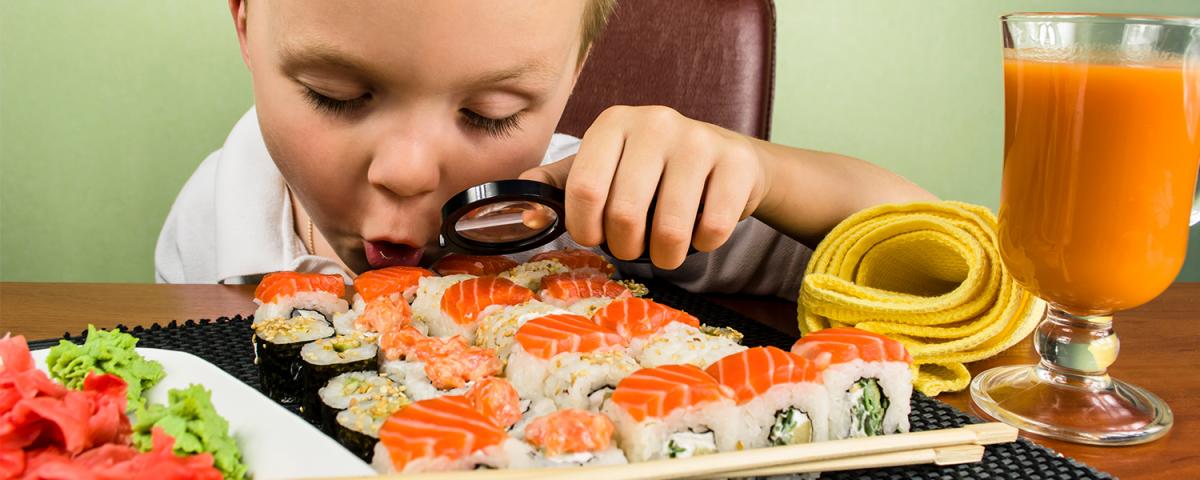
[
  {"x": 568, "y": 360},
  {"x": 570, "y": 437},
  {"x": 443, "y": 434},
  {"x": 477, "y": 265},
  {"x": 352, "y": 387},
  {"x": 291, "y": 294},
  {"x": 391, "y": 284},
  {"x": 428, "y": 367},
  {"x": 464, "y": 303},
  {"x": 680, "y": 343},
  {"x": 780, "y": 398},
  {"x": 582, "y": 293},
  {"x": 673, "y": 411},
  {"x": 328, "y": 357},
  {"x": 277, "y": 345},
  {"x": 498, "y": 327},
  {"x": 867, "y": 377},
  {"x": 358, "y": 425}
]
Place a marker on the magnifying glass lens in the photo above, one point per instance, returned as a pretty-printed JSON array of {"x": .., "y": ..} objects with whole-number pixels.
[{"x": 506, "y": 221}]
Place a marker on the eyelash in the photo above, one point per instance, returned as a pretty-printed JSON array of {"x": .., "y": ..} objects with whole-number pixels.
[
  {"x": 496, "y": 127},
  {"x": 333, "y": 105}
]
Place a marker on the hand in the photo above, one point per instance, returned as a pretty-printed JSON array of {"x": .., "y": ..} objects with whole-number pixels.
[{"x": 628, "y": 155}]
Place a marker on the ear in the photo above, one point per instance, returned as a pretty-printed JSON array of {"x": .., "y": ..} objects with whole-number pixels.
[{"x": 238, "y": 9}]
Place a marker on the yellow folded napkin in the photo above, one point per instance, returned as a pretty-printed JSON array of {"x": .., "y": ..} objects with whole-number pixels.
[{"x": 926, "y": 274}]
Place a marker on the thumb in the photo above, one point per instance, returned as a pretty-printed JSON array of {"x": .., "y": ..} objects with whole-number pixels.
[{"x": 554, "y": 173}]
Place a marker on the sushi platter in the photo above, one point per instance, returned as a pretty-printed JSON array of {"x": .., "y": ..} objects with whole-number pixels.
[
  {"x": 225, "y": 343},
  {"x": 487, "y": 363}
]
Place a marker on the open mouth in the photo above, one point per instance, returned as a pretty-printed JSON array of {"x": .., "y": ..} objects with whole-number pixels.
[{"x": 381, "y": 254}]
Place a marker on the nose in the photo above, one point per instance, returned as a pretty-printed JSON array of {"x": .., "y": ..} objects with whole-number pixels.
[{"x": 406, "y": 164}]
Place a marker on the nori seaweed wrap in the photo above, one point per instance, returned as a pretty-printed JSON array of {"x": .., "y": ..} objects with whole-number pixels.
[
  {"x": 277, "y": 344},
  {"x": 329, "y": 357}
]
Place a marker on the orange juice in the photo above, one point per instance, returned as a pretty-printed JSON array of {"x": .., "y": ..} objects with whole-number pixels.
[{"x": 1100, "y": 165}]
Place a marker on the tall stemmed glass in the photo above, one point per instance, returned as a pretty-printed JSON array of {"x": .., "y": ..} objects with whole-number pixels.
[{"x": 1101, "y": 151}]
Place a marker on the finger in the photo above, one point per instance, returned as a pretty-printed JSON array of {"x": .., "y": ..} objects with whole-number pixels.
[
  {"x": 679, "y": 196},
  {"x": 629, "y": 198},
  {"x": 729, "y": 188},
  {"x": 554, "y": 173},
  {"x": 591, "y": 176}
]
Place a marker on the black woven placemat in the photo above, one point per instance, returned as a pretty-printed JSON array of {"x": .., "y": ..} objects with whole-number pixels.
[{"x": 226, "y": 342}]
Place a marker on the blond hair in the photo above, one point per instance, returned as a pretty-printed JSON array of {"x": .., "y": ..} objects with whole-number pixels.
[{"x": 595, "y": 17}]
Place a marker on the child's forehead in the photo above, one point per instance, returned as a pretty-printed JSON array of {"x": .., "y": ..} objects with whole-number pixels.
[{"x": 500, "y": 38}]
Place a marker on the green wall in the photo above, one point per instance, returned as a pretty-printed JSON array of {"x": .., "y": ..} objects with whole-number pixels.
[{"x": 107, "y": 107}]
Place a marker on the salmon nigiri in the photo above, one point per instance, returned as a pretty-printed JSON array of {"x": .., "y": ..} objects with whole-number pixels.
[
  {"x": 568, "y": 360},
  {"x": 578, "y": 260},
  {"x": 555, "y": 262},
  {"x": 581, "y": 292},
  {"x": 867, "y": 377},
  {"x": 846, "y": 344},
  {"x": 550, "y": 335},
  {"x": 673, "y": 411},
  {"x": 478, "y": 265},
  {"x": 464, "y": 302},
  {"x": 289, "y": 294},
  {"x": 639, "y": 317},
  {"x": 386, "y": 282},
  {"x": 443, "y": 433},
  {"x": 779, "y": 394},
  {"x": 277, "y": 284}
]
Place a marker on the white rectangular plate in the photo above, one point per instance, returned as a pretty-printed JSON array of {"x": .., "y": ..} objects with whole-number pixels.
[{"x": 275, "y": 443}]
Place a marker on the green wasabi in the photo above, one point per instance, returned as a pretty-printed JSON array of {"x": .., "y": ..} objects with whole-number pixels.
[
  {"x": 105, "y": 352},
  {"x": 196, "y": 426}
]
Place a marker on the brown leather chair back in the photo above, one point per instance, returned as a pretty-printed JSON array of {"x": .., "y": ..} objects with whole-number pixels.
[{"x": 712, "y": 60}]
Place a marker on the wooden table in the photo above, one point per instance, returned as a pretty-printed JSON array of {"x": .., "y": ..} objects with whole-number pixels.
[{"x": 1161, "y": 349}]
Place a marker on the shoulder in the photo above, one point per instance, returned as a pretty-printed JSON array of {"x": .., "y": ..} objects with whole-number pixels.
[{"x": 185, "y": 252}]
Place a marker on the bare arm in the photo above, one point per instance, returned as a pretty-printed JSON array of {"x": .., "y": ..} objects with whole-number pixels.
[{"x": 809, "y": 192}]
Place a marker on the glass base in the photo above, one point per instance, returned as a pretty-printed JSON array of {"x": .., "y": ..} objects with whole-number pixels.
[{"x": 1091, "y": 409}]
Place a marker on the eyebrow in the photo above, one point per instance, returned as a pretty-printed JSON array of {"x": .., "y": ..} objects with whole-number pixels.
[
  {"x": 296, "y": 57},
  {"x": 319, "y": 54},
  {"x": 535, "y": 69}
]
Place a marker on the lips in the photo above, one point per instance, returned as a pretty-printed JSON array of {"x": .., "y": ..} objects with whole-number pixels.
[{"x": 386, "y": 254}]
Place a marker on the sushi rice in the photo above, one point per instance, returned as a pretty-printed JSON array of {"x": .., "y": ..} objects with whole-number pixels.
[
  {"x": 320, "y": 304},
  {"x": 679, "y": 343},
  {"x": 497, "y": 327},
  {"x": 352, "y": 387},
  {"x": 530, "y": 274}
]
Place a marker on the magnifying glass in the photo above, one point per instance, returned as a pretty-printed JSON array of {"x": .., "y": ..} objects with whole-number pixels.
[{"x": 510, "y": 216}]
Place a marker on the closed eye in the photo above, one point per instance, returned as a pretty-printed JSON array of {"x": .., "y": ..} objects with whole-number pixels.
[
  {"x": 496, "y": 127},
  {"x": 336, "y": 106}
]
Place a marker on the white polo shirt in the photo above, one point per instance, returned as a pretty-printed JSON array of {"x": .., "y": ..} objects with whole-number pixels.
[{"x": 233, "y": 222}]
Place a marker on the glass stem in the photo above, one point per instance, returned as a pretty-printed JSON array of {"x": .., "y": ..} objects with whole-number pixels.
[{"x": 1076, "y": 350}]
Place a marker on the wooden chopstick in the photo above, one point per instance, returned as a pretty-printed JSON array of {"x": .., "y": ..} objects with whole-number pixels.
[
  {"x": 938, "y": 456},
  {"x": 917, "y": 447}
]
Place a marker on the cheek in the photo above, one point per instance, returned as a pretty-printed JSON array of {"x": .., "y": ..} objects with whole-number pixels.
[{"x": 313, "y": 157}]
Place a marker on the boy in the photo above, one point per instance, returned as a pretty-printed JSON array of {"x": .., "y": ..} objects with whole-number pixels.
[{"x": 368, "y": 118}]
